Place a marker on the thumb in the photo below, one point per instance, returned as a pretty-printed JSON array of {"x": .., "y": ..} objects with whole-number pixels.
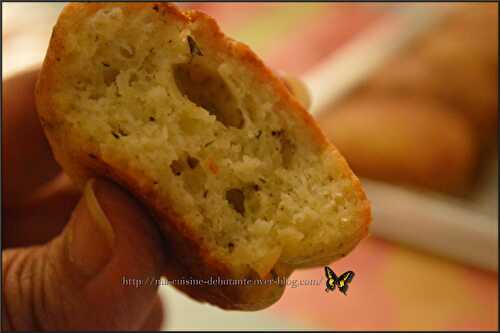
[{"x": 81, "y": 279}]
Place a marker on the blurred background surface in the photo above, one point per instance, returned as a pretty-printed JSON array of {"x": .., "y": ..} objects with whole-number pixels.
[{"x": 422, "y": 122}]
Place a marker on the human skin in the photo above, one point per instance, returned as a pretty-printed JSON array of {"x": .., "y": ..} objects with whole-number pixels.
[
  {"x": 65, "y": 252},
  {"x": 62, "y": 266}
]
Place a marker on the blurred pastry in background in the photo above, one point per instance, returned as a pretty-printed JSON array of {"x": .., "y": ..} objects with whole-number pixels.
[
  {"x": 429, "y": 116},
  {"x": 455, "y": 63},
  {"x": 405, "y": 141}
]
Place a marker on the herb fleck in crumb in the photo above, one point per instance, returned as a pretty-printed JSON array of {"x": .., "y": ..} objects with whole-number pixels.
[
  {"x": 115, "y": 135},
  {"x": 276, "y": 133},
  {"x": 193, "y": 47},
  {"x": 236, "y": 199},
  {"x": 152, "y": 119}
]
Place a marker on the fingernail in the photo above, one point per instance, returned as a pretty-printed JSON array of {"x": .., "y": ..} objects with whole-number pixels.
[{"x": 91, "y": 238}]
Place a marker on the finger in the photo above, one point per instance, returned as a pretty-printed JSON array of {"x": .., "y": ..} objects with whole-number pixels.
[
  {"x": 26, "y": 156},
  {"x": 155, "y": 319},
  {"x": 52, "y": 203},
  {"x": 77, "y": 280}
]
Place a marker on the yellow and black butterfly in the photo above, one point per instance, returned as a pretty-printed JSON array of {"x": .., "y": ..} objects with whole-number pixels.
[{"x": 341, "y": 281}]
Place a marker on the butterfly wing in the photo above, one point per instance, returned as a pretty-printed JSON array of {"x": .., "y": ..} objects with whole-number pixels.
[
  {"x": 331, "y": 278},
  {"x": 343, "y": 281},
  {"x": 329, "y": 273}
]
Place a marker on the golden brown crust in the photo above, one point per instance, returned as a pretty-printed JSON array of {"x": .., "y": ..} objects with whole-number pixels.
[
  {"x": 180, "y": 242},
  {"x": 186, "y": 255}
]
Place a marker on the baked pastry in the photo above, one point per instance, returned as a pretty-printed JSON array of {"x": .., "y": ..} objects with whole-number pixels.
[
  {"x": 429, "y": 116},
  {"x": 436, "y": 67},
  {"x": 241, "y": 181},
  {"x": 405, "y": 141}
]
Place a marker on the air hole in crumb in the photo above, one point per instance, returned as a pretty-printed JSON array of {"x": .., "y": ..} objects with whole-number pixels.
[
  {"x": 147, "y": 63},
  {"x": 236, "y": 199},
  {"x": 277, "y": 133},
  {"x": 207, "y": 89},
  {"x": 82, "y": 84},
  {"x": 95, "y": 95},
  {"x": 230, "y": 246},
  {"x": 109, "y": 75},
  {"x": 287, "y": 151},
  {"x": 127, "y": 52},
  {"x": 122, "y": 132},
  {"x": 177, "y": 167},
  {"x": 192, "y": 162},
  {"x": 132, "y": 78}
]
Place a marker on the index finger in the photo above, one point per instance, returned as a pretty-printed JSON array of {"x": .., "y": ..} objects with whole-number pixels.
[{"x": 27, "y": 160}]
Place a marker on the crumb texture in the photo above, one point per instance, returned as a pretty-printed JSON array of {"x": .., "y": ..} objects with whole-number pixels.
[{"x": 149, "y": 91}]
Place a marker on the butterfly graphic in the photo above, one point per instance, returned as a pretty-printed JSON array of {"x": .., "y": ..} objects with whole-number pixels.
[{"x": 341, "y": 281}]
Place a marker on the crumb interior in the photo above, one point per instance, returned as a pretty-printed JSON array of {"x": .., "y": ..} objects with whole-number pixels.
[{"x": 208, "y": 136}]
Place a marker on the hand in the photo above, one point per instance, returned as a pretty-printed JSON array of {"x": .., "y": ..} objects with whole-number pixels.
[{"x": 65, "y": 254}]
